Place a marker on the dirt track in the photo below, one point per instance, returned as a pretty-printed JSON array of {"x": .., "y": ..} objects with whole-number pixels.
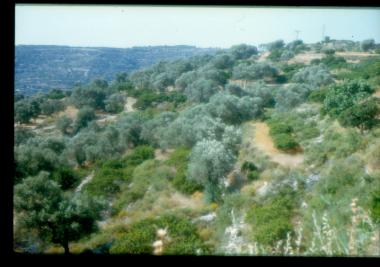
[{"x": 264, "y": 142}]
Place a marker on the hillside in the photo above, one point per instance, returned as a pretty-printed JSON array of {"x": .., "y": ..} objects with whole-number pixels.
[
  {"x": 43, "y": 67},
  {"x": 238, "y": 153}
]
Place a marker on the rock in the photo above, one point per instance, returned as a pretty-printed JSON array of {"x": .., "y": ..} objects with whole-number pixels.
[{"x": 208, "y": 217}]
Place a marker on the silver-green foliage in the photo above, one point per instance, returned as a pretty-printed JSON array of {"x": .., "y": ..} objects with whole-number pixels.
[
  {"x": 315, "y": 75},
  {"x": 210, "y": 160}
]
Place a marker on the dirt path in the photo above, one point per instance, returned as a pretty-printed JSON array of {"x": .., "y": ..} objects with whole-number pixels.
[
  {"x": 70, "y": 111},
  {"x": 263, "y": 142},
  {"x": 305, "y": 58},
  {"x": 263, "y": 57},
  {"x": 128, "y": 107},
  {"x": 183, "y": 201},
  {"x": 159, "y": 154},
  {"x": 85, "y": 181},
  {"x": 377, "y": 93}
]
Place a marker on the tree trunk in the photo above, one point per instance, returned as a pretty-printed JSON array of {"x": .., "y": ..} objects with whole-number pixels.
[{"x": 66, "y": 247}]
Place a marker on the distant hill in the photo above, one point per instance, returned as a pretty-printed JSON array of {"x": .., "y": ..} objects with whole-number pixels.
[{"x": 43, "y": 67}]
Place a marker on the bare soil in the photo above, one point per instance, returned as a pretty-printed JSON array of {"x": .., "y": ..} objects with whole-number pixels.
[
  {"x": 159, "y": 154},
  {"x": 128, "y": 107},
  {"x": 264, "y": 142}
]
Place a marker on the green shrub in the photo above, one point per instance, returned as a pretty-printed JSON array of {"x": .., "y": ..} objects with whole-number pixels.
[
  {"x": 184, "y": 185},
  {"x": 315, "y": 61},
  {"x": 139, "y": 155},
  {"x": 334, "y": 62},
  {"x": 280, "y": 128},
  {"x": 139, "y": 237},
  {"x": 253, "y": 175},
  {"x": 179, "y": 159},
  {"x": 66, "y": 177},
  {"x": 329, "y": 51},
  {"x": 106, "y": 182},
  {"x": 309, "y": 132},
  {"x": 111, "y": 174},
  {"x": 318, "y": 95},
  {"x": 272, "y": 221},
  {"x": 285, "y": 142},
  {"x": 137, "y": 240},
  {"x": 375, "y": 205},
  {"x": 248, "y": 166}
]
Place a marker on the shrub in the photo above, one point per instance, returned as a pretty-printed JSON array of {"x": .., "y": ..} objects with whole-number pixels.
[
  {"x": 179, "y": 159},
  {"x": 375, "y": 205},
  {"x": 137, "y": 240},
  {"x": 113, "y": 173},
  {"x": 329, "y": 51},
  {"x": 318, "y": 95},
  {"x": 139, "y": 237},
  {"x": 22, "y": 135},
  {"x": 271, "y": 221},
  {"x": 367, "y": 44},
  {"x": 279, "y": 128},
  {"x": 285, "y": 142},
  {"x": 66, "y": 177},
  {"x": 361, "y": 115},
  {"x": 342, "y": 96},
  {"x": 51, "y": 106},
  {"x": 292, "y": 96},
  {"x": 114, "y": 103},
  {"x": 139, "y": 155},
  {"x": 334, "y": 62},
  {"x": 84, "y": 116},
  {"x": 243, "y": 51},
  {"x": 253, "y": 175},
  {"x": 248, "y": 166},
  {"x": 64, "y": 124}
]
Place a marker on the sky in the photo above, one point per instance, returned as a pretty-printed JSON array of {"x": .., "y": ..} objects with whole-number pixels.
[{"x": 128, "y": 26}]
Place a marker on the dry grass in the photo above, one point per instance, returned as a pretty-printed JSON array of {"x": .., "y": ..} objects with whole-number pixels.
[
  {"x": 263, "y": 56},
  {"x": 70, "y": 111},
  {"x": 305, "y": 58},
  {"x": 377, "y": 93},
  {"x": 355, "y": 54},
  {"x": 160, "y": 154}
]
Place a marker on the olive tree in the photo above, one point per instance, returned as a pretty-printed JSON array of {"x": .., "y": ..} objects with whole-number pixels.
[
  {"x": 64, "y": 124},
  {"x": 248, "y": 71},
  {"x": 51, "y": 106},
  {"x": 234, "y": 110},
  {"x": 152, "y": 129},
  {"x": 261, "y": 90},
  {"x": 292, "y": 96},
  {"x": 201, "y": 90},
  {"x": 368, "y": 44},
  {"x": 114, "y": 103},
  {"x": 315, "y": 75},
  {"x": 58, "y": 218},
  {"x": 209, "y": 163},
  {"x": 222, "y": 61},
  {"x": 84, "y": 116},
  {"x": 278, "y": 44},
  {"x": 92, "y": 95},
  {"x": 242, "y": 51},
  {"x": 185, "y": 79}
]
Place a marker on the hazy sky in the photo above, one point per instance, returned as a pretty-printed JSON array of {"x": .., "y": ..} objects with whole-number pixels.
[{"x": 127, "y": 26}]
